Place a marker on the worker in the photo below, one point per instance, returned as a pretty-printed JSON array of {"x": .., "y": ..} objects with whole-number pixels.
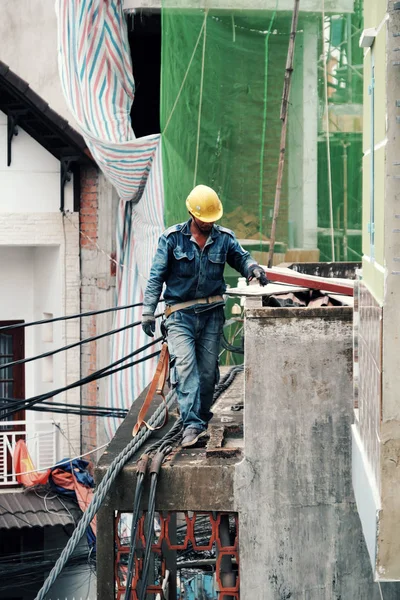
[{"x": 190, "y": 260}]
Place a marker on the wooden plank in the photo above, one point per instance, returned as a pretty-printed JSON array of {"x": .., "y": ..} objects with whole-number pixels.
[{"x": 310, "y": 281}]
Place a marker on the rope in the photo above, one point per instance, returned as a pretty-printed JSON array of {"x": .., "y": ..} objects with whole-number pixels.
[
  {"x": 328, "y": 143},
  {"x": 227, "y": 380},
  {"x": 200, "y": 98},
  {"x": 186, "y": 74},
  {"x": 230, "y": 347},
  {"x": 264, "y": 123},
  {"x": 101, "y": 493},
  {"x": 173, "y": 435}
]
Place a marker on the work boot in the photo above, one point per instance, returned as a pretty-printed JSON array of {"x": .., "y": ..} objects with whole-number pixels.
[{"x": 191, "y": 435}]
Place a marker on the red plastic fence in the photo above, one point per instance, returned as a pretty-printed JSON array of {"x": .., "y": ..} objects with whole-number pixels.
[{"x": 190, "y": 541}]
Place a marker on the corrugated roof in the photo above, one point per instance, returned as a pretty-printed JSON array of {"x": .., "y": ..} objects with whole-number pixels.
[{"x": 27, "y": 509}]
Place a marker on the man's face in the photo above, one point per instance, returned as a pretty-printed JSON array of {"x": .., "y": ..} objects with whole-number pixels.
[{"x": 204, "y": 227}]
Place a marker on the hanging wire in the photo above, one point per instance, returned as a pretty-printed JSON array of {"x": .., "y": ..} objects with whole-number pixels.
[
  {"x": 74, "y": 345},
  {"x": 104, "y": 372},
  {"x": 328, "y": 144},
  {"x": 77, "y": 316},
  {"x": 203, "y": 57},
  {"x": 186, "y": 74},
  {"x": 264, "y": 122}
]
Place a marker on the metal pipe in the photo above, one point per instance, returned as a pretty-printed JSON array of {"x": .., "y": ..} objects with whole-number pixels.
[
  {"x": 345, "y": 201},
  {"x": 283, "y": 117}
]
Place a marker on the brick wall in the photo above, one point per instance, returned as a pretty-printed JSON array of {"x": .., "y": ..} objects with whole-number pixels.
[{"x": 88, "y": 221}]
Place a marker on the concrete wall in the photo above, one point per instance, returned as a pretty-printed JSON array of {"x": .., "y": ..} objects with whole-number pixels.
[
  {"x": 388, "y": 560},
  {"x": 32, "y": 182},
  {"x": 374, "y": 183},
  {"x": 376, "y": 434},
  {"x": 302, "y": 139},
  {"x": 300, "y": 534},
  {"x": 28, "y": 33}
]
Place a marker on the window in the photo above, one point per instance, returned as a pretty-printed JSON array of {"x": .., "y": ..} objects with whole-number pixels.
[{"x": 12, "y": 379}]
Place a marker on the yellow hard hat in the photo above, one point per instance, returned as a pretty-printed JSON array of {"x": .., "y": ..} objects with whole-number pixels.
[{"x": 204, "y": 204}]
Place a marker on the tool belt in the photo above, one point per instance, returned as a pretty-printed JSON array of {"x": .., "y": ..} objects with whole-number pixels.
[{"x": 210, "y": 300}]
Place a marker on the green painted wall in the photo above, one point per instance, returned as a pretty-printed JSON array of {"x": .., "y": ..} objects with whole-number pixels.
[{"x": 374, "y": 258}]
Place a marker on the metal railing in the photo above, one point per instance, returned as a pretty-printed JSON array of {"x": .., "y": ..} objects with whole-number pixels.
[{"x": 41, "y": 438}]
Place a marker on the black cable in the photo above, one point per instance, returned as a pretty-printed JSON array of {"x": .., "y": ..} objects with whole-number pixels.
[
  {"x": 64, "y": 348},
  {"x": 230, "y": 347},
  {"x": 33, "y": 401},
  {"x": 121, "y": 414},
  {"x": 172, "y": 435},
  {"x": 78, "y": 316},
  {"x": 16, "y": 576},
  {"x": 23, "y": 404},
  {"x": 134, "y": 526},
  {"x": 163, "y": 446},
  {"x": 226, "y": 381},
  {"x": 149, "y": 535},
  {"x": 220, "y": 388},
  {"x": 82, "y": 406},
  {"x": 96, "y": 373}
]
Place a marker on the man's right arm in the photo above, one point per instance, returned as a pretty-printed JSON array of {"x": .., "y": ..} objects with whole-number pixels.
[{"x": 157, "y": 277}]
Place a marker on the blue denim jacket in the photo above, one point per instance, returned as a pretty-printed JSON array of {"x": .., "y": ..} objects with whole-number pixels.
[{"x": 189, "y": 272}]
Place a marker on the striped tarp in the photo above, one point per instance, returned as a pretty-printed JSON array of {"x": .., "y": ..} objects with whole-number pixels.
[{"x": 97, "y": 81}]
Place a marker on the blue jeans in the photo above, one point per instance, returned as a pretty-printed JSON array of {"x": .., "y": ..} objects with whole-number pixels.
[{"x": 193, "y": 342}]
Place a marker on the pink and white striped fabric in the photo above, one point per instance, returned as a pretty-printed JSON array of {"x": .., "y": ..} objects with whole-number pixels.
[{"x": 98, "y": 85}]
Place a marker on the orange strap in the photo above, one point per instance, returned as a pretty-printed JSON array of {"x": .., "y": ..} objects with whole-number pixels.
[{"x": 156, "y": 387}]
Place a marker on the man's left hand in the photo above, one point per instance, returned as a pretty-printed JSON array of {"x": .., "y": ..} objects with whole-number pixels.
[{"x": 257, "y": 272}]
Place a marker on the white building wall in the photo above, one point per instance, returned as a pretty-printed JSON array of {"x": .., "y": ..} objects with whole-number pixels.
[
  {"x": 39, "y": 262},
  {"x": 28, "y": 34},
  {"x": 31, "y": 184}
]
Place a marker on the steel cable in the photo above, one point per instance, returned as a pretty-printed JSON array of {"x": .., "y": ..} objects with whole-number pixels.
[
  {"x": 101, "y": 492},
  {"x": 134, "y": 526},
  {"x": 149, "y": 535},
  {"x": 112, "y": 473},
  {"x": 226, "y": 381}
]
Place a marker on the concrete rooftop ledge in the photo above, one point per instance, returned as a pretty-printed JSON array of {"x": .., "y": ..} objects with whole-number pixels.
[{"x": 191, "y": 479}]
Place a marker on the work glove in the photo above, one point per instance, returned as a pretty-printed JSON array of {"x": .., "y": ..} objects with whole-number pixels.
[
  {"x": 257, "y": 272},
  {"x": 149, "y": 324}
]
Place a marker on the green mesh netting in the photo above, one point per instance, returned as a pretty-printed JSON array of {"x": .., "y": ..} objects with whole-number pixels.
[{"x": 222, "y": 80}]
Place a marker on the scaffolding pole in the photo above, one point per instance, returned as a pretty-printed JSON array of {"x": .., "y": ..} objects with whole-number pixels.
[{"x": 283, "y": 117}]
